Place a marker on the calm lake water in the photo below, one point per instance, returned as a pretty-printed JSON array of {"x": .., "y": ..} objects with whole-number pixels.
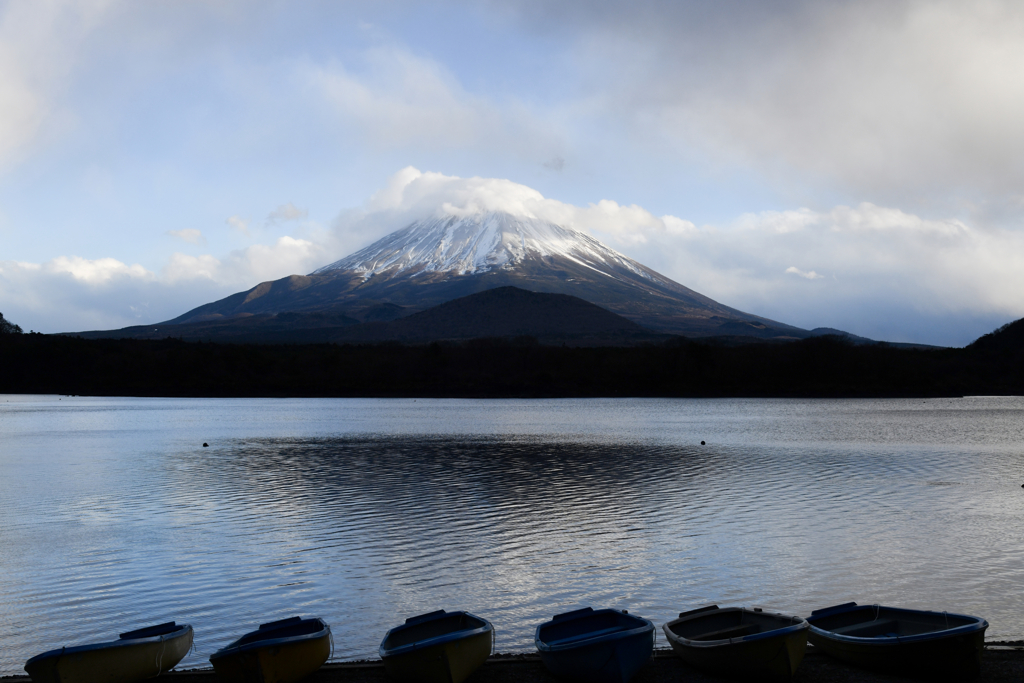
[{"x": 364, "y": 512}]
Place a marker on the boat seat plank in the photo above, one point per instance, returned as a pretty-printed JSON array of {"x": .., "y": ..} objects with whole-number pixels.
[
  {"x": 731, "y": 632},
  {"x": 585, "y": 636},
  {"x": 868, "y": 629}
]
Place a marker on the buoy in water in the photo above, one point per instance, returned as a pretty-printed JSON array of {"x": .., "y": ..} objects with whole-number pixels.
[
  {"x": 701, "y": 443},
  {"x": 206, "y": 445}
]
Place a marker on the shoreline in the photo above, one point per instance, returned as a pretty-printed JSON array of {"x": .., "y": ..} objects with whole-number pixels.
[{"x": 1002, "y": 662}]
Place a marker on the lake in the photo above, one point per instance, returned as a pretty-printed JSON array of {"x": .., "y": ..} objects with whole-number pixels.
[{"x": 364, "y": 512}]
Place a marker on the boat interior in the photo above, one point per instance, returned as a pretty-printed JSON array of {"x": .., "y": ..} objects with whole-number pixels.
[
  {"x": 712, "y": 623},
  {"x": 873, "y": 621},
  {"x": 285, "y": 628},
  {"x": 439, "y": 623},
  {"x": 151, "y": 631},
  {"x": 584, "y": 624}
]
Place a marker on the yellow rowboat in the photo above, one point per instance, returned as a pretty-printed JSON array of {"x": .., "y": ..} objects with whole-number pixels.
[
  {"x": 439, "y": 647},
  {"x": 279, "y": 652},
  {"x": 134, "y": 656},
  {"x": 738, "y": 642}
]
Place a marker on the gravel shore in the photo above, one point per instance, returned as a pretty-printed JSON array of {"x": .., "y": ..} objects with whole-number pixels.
[{"x": 1000, "y": 663}]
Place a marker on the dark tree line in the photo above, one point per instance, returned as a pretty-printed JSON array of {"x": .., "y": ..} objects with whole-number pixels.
[
  {"x": 817, "y": 367},
  {"x": 7, "y": 327}
]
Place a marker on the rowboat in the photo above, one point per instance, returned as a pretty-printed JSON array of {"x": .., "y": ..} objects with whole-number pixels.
[
  {"x": 600, "y": 646},
  {"x": 747, "y": 643},
  {"x": 438, "y": 647},
  {"x": 277, "y": 652},
  {"x": 905, "y": 641},
  {"x": 134, "y": 656}
]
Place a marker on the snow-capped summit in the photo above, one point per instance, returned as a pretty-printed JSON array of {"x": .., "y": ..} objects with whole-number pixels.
[{"x": 480, "y": 243}]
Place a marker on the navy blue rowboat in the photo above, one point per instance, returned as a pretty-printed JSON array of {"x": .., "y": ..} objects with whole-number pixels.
[
  {"x": 917, "y": 643},
  {"x": 600, "y": 646}
]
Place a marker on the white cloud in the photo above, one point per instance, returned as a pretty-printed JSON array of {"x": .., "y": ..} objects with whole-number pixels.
[
  {"x": 239, "y": 224},
  {"x": 93, "y": 272},
  {"x": 400, "y": 100},
  {"x": 900, "y": 101},
  {"x": 73, "y": 293},
  {"x": 411, "y": 194},
  {"x": 261, "y": 262},
  {"x": 190, "y": 235},
  {"x": 245, "y": 268},
  {"x": 882, "y": 267},
  {"x": 38, "y": 43},
  {"x": 810, "y": 274},
  {"x": 69, "y": 293},
  {"x": 183, "y": 267}
]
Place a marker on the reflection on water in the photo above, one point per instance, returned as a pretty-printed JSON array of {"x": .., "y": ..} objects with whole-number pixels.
[{"x": 113, "y": 516}]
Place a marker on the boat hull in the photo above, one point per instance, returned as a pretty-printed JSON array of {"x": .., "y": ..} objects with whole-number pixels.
[
  {"x": 119, "y": 661},
  {"x": 449, "y": 662},
  {"x": 440, "y": 647},
  {"x": 946, "y": 654},
  {"x": 615, "y": 662},
  {"x": 276, "y": 660},
  {"x": 587, "y": 646},
  {"x": 773, "y": 652}
]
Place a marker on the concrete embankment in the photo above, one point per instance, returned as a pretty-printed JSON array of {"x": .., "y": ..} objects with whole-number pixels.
[{"x": 1000, "y": 663}]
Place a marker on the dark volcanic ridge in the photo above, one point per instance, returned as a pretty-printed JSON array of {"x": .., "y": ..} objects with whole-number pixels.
[{"x": 501, "y": 313}]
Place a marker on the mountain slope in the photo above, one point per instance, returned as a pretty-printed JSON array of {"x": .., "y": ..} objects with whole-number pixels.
[
  {"x": 443, "y": 258},
  {"x": 505, "y": 312}
]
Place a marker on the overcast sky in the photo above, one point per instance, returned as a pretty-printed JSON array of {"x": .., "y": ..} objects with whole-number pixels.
[{"x": 856, "y": 165}]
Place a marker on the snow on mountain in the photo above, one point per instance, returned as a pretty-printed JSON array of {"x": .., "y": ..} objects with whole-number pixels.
[{"x": 480, "y": 243}]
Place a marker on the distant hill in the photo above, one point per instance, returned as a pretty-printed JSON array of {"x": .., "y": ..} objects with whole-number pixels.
[
  {"x": 857, "y": 340},
  {"x": 1008, "y": 338}
]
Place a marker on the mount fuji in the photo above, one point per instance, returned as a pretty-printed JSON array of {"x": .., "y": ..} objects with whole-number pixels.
[{"x": 442, "y": 258}]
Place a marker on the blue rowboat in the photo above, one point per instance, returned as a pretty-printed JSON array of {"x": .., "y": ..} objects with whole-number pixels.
[
  {"x": 910, "y": 642},
  {"x": 282, "y": 651},
  {"x": 738, "y": 642},
  {"x": 439, "y": 647},
  {"x": 599, "y": 646},
  {"x": 134, "y": 656}
]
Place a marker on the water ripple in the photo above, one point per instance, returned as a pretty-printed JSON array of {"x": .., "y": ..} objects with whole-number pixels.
[{"x": 111, "y": 517}]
